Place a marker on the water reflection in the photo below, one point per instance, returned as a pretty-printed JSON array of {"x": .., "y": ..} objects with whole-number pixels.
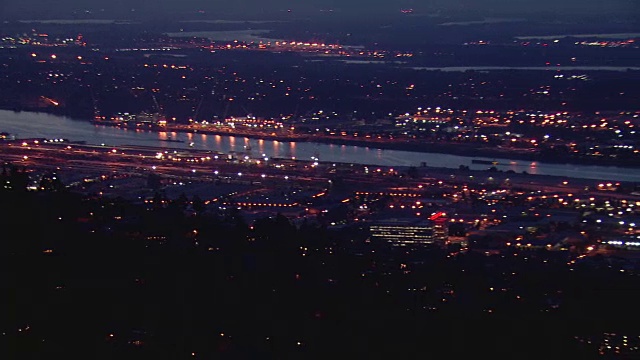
[
  {"x": 275, "y": 151},
  {"x": 261, "y": 145},
  {"x": 27, "y": 124}
]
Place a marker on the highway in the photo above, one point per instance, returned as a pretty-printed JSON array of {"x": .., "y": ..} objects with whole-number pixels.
[
  {"x": 240, "y": 168},
  {"x": 184, "y": 164}
]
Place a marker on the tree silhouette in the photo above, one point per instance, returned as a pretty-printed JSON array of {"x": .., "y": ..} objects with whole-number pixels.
[
  {"x": 50, "y": 182},
  {"x": 197, "y": 203}
]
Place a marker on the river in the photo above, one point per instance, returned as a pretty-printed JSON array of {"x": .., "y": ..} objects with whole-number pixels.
[{"x": 40, "y": 125}]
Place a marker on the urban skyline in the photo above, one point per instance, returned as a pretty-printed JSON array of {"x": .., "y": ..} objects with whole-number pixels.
[{"x": 197, "y": 180}]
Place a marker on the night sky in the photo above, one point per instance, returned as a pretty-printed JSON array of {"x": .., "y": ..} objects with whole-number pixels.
[{"x": 253, "y": 8}]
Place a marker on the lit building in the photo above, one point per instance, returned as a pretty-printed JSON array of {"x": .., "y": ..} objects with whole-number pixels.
[
  {"x": 404, "y": 232},
  {"x": 440, "y": 229}
]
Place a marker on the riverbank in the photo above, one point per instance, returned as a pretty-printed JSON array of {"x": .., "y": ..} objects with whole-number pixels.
[
  {"x": 502, "y": 156},
  {"x": 481, "y": 152},
  {"x": 43, "y": 125}
]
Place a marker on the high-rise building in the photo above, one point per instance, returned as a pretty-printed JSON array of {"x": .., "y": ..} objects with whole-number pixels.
[{"x": 440, "y": 230}]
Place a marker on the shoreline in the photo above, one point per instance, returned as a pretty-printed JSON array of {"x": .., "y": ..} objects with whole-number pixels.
[
  {"x": 482, "y": 175},
  {"x": 474, "y": 175},
  {"x": 466, "y": 150}
]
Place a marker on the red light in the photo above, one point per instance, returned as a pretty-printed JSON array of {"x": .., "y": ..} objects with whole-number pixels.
[{"x": 437, "y": 215}]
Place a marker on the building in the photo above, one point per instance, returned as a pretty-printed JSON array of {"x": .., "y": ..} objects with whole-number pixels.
[
  {"x": 404, "y": 232},
  {"x": 440, "y": 229}
]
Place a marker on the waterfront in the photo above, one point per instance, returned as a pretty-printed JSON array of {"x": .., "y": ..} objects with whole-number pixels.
[
  {"x": 40, "y": 125},
  {"x": 527, "y": 68}
]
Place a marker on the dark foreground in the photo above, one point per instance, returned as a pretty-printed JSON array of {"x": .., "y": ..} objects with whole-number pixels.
[{"x": 106, "y": 279}]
